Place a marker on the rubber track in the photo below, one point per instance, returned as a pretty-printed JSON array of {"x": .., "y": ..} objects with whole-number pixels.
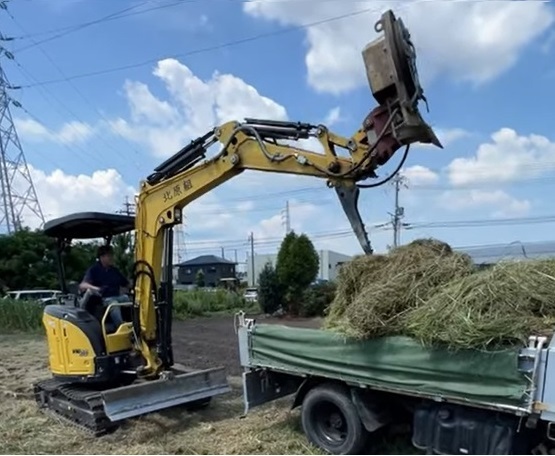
[{"x": 88, "y": 411}]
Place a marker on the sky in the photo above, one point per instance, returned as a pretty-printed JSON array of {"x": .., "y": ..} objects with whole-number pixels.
[{"x": 109, "y": 89}]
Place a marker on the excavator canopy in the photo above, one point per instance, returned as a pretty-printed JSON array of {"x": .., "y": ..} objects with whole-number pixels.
[{"x": 89, "y": 225}]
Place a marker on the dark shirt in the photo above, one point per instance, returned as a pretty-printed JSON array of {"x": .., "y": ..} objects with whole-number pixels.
[{"x": 109, "y": 279}]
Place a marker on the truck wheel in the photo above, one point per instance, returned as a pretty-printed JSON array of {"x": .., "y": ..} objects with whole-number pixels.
[{"x": 330, "y": 420}]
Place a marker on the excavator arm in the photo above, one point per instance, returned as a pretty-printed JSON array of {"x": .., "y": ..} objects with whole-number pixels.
[{"x": 272, "y": 146}]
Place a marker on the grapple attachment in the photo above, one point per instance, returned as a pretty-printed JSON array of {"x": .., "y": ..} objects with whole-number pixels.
[{"x": 390, "y": 62}]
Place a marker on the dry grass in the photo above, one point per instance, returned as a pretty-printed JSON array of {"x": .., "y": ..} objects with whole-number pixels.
[
  {"x": 489, "y": 309},
  {"x": 219, "y": 429},
  {"x": 427, "y": 291},
  {"x": 375, "y": 292}
]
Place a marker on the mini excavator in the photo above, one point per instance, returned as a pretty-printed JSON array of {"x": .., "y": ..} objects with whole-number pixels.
[{"x": 103, "y": 374}]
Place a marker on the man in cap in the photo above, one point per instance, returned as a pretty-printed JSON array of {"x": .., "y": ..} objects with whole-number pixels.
[{"x": 105, "y": 278}]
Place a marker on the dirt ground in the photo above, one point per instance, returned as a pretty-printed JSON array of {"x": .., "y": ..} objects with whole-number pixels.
[
  {"x": 218, "y": 429},
  {"x": 206, "y": 342}
]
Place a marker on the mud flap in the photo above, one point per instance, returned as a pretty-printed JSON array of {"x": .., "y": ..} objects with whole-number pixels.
[
  {"x": 262, "y": 386},
  {"x": 150, "y": 396}
]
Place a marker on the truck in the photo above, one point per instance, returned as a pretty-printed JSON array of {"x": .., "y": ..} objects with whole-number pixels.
[{"x": 456, "y": 402}]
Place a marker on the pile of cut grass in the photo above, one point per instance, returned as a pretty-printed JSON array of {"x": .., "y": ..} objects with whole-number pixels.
[
  {"x": 429, "y": 292},
  {"x": 375, "y": 292},
  {"x": 497, "y": 307}
]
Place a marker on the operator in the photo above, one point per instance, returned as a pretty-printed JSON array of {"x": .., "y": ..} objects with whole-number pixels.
[{"x": 103, "y": 277}]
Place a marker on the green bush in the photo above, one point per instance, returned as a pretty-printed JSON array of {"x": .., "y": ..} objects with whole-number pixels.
[
  {"x": 196, "y": 303},
  {"x": 316, "y": 299},
  {"x": 20, "y": 315}
]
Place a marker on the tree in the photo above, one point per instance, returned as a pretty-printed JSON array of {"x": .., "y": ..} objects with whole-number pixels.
[
  {"x": 297, "y": 267},
  {"x": 29, "y": 260},
  {"x": 270, "y": 293},
  {"x": 199, "y": 279},
  {"x": 123, "y": 253}
]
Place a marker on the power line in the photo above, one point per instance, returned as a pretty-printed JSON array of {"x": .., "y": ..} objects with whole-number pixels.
[
  {"x": 347, "y": 231},
  {"x": 64, "y": 31},
  {"x": 80, "y": 93},
  {"x": 207, "y": 48},
  {"x": 484, "y": 222}
]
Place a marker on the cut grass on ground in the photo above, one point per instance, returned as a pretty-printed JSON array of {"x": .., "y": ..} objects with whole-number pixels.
[{"x": 219, "y": 429}]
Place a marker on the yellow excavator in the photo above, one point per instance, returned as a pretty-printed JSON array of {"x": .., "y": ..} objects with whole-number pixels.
[{"x": 102, "y": 374}]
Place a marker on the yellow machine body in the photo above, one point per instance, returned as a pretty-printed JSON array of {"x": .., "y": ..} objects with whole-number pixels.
[
  {"x": 70, "y": 351},
  {"x": 76, "y": 341}
]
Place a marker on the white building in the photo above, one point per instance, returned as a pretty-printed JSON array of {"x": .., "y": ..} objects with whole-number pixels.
[{"x": 329, "y": 264}]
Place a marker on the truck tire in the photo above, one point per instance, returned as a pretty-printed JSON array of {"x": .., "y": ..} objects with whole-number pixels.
[{"x": 330, "y": 420}]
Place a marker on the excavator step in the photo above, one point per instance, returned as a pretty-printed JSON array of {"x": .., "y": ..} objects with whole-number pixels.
[{"x": 98, "y": 411}]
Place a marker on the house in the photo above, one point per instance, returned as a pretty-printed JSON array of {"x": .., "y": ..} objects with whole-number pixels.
[
  {"x": 213, "y": 268},
  {"x": 329, "y": 265}
]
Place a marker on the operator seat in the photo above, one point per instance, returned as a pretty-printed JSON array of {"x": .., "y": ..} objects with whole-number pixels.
[{"x": 93, "y": 304}]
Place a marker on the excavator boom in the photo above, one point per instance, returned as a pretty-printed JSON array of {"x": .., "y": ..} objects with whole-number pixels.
[{"x": 276, "y": 147}]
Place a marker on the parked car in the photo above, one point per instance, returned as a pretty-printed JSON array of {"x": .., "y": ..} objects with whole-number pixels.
[
  {"x": 251, "y": 295},
  {"x": 42, "y": 296}
]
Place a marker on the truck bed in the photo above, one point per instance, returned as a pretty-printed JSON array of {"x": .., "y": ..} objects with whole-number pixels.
[{"x": 500, "y": 380}]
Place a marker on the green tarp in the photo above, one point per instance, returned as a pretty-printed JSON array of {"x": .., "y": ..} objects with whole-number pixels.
[{"x": 394, "y": 362}]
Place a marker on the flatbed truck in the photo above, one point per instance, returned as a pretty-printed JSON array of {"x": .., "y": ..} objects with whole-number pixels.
[{"x": 456, "y": 402}]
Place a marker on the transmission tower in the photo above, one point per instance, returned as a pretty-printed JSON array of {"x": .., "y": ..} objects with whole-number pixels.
[
  {"x": 286, "y": 218},
  {"x": 18, "y": 197}
]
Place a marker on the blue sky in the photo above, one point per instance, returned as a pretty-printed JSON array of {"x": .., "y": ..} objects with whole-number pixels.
[{"x": 488, "y": 70}]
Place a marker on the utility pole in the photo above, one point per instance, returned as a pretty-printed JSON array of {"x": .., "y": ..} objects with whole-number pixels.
[
  {"x": 128, "y": 208},
  {"x": 252, "y": 259},
  {"x": 18, "y": 196},
  {"x": 399, "y": 211},
  {"x": 223, "y": 252},
  {"x": 236, "y": 256}
]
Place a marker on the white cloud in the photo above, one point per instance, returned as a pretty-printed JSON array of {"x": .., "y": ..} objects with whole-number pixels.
[
  {"x": 466, "y": 40},
  {"x": 333, "y": 116},
  {"x": 506, "y": 158},
  {"x": 197, "y": 106},
  {"x": 145, "y": 106},
  {"x": 69, "y": 133},
  {"x": 499, "y": 202},
  {"x": 420, "y": 175},
  {"x": 60, "y": 193}
]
